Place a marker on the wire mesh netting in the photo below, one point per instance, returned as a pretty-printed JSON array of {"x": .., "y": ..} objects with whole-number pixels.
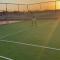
[
  {"x": 28, "y": 7},
  {"x": 13, "y": 10}
]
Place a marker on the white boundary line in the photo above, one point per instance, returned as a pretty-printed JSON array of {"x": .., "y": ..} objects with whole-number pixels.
[
  {"x": 33, "y": 45},
  {"x": 5, "y": 58}
]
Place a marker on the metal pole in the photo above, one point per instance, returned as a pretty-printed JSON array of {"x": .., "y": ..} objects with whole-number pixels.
[
  {"x": 27, "y": 8},
  {"x": 55, "y": 7},
  {"x": 6, "y": 7},
  {"x": 40, "y": 6},
  {"x": 18, "y": 7},
  {"x": 6, "y": 12}
]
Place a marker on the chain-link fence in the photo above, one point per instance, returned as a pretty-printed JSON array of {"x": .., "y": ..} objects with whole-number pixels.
[
  {"x": 50, "y": 5},
  {"x": 9, "y": 10}
]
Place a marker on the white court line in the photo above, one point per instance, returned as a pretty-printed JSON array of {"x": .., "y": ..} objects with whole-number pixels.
[
  {"x": 5, "y": 58},
  {"x": 33, "y": 45}
]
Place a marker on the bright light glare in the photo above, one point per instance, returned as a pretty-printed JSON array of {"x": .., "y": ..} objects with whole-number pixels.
[{"x": 58, "y": 5}]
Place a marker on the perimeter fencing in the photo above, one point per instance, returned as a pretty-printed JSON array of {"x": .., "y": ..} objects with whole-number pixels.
[
  {"x": 50, "y": 5},
  {"x": 35, "y": 7}
]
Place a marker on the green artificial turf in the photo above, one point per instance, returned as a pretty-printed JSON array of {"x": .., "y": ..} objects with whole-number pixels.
[{"x": 44, "y": 33}]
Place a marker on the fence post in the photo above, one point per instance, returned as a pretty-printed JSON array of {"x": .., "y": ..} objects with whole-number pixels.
[
  {"x": 55, "y": 9},
  {"x": 6, "y": 13},
  {"x": 27, "y": 8},
  {"x": 18, "y": 7},
  {"x": 6, "y": 6}
]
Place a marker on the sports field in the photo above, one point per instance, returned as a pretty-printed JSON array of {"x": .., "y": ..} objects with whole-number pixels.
[{"x": 24, "y": 41}]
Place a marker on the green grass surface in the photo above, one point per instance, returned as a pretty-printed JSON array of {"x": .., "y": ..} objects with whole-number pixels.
[{"x": 45, "y": 33}]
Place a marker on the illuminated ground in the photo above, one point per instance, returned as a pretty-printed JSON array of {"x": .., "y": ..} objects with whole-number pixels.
[{"x": 24, "y": 41}]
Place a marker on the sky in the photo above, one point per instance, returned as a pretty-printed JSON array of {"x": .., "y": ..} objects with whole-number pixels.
[{"x": 23, "y": 1}]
